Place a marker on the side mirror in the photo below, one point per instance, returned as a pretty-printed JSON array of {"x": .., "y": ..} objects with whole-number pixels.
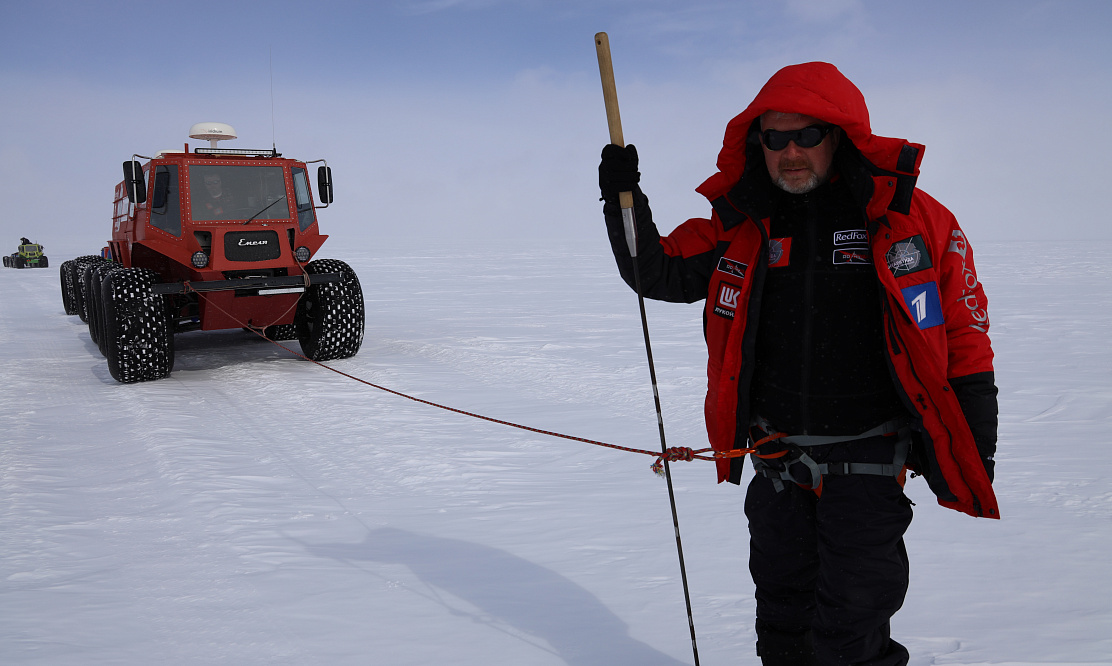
[
  {"x": 133, "y": 180},
  {"x": 324, "y": 184}
]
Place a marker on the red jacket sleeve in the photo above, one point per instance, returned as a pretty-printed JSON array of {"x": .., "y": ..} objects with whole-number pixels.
[{"x": 969, "y": 367}]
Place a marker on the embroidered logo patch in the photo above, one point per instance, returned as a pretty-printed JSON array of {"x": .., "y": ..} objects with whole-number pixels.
[
  {"x": 908, "y": 256},
  {"x": 852, "y": 255},
  {"x": 779, "y": 252},
  {"x": 854, "y": 237},
  {"x": 924, "y": 304},
  {"x": 726, "y": 303},
  {"x": 854, "y": 247},
  {"x": 731, "y": 267}
]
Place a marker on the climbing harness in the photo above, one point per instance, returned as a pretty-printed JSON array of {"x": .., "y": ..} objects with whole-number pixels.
[{"x": 792, "y": 463}]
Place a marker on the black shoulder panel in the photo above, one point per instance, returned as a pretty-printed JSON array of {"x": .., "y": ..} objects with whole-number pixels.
[
  {"x": 901, "y": 200},
  {"x": 906, "y": 161},
  {"x": 730, "y": 216}
]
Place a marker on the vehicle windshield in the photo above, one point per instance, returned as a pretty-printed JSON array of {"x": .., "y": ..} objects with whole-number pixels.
[{"x": 237, "y": 192}]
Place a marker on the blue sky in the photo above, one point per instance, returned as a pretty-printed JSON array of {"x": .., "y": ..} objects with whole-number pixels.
[{"x": 484, "y": 118}]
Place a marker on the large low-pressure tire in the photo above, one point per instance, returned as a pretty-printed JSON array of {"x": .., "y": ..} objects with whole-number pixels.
[
  {"x": 20, "y": 262},
  {"x": 76, "y": 271},
  {"x": 65, "y": 277},
  {"x": 139, "y": 344},
  {"x": 79, "y": 297},
  {"x": 43, "y": 263},
  {"x": 330, "y": 316},
  {"x": 90, "y": 287},
  {"x": 96, "y": 315},
  {"x": 88, "y": 296},
  {"x": 281, "y": 332}
]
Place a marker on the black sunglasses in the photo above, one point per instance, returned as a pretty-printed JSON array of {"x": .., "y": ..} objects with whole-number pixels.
[{"x": 808, "y": 137}]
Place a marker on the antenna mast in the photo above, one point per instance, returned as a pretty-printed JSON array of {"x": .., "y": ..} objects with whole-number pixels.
[{"x": 273, "y": 140}]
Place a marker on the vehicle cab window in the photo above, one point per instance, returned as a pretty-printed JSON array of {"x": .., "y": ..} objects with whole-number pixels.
[
  {"x": 165, "y": 202},
  {"x": 305, "y": 216},
  {"x": 237, "y": 192}
]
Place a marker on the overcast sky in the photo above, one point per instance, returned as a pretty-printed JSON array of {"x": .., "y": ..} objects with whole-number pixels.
[{"x": 484, "y": 118}]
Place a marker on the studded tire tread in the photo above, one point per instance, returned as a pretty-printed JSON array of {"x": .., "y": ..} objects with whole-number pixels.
[
  {"x": 331, "y": 316},
  {"x": 65, "y": 278},
  {"x": 139, "y": 344}
]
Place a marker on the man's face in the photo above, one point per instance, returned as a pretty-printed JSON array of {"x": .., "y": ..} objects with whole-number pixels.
[
  {"x": 212, "y": 184},
  {"x": 794, "y": 169}
]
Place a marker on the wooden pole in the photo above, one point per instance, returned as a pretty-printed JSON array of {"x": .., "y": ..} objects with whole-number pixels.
[{"x": 625, "y": 199}]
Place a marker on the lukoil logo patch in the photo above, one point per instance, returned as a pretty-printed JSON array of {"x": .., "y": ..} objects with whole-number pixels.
[
  {"x": 924, "y": 304},
  {"x": 726, "y": 303}
]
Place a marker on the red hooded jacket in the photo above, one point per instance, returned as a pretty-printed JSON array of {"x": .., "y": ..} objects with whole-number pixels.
[{"x": 935, "y": 318}]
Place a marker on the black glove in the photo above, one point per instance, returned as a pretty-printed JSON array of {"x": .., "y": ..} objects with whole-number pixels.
[
  {"x": 618, "y": 171},
  {"x": 976, "y": 395}
]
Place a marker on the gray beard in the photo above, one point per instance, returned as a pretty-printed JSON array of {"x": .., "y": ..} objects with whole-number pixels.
[{"x": 803, "y": 188}]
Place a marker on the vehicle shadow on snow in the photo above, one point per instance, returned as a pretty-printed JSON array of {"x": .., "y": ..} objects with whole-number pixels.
[
  {"x": 212, "y": 350},
  {"x": 99, "y": 367},
  {"x": 508, "y": 590},
  {"x": 207, "y": 350}
]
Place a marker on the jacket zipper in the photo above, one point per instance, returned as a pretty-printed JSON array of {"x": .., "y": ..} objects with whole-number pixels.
[{"x": 808, "y": 301}]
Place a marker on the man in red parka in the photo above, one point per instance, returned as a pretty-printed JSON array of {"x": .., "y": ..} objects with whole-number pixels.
[{"x": 847, "y": 338}]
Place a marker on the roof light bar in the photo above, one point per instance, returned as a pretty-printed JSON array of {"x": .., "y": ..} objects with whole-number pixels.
[{"x": 260, "y": 152}]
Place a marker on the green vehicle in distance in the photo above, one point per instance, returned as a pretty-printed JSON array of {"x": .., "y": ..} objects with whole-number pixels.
[{"x": 28, "y": 255}]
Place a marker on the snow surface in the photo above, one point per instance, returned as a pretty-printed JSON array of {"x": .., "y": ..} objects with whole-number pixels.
[{"x": 256, "y": 509}]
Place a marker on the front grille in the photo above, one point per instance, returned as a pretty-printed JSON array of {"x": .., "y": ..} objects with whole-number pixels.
[{"x": 251, "y": 246}]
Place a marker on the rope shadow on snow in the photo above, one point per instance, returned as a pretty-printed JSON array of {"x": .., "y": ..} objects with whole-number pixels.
[{"x": 509, "y": 591}]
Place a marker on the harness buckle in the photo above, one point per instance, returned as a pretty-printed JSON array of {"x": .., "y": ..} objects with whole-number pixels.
[
  {"x": 789, "y": 464},
  {"x": 792, "y": 463}
]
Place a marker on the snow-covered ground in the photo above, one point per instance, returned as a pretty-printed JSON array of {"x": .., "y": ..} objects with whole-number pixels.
[{"x": 256, "y": 509}]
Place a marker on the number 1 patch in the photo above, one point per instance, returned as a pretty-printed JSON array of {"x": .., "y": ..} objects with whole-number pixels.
[{"x": 925, "y": 305}]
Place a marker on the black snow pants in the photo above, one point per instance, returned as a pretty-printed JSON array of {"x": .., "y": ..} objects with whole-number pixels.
[{"x": 830, "y": 571}]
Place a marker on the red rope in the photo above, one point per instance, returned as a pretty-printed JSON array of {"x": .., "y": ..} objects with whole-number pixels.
[{"x": 672, "y": 454}]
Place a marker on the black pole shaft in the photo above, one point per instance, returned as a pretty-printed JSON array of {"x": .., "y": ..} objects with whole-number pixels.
[
  {"x": 632, "y": 239},
  {"x": 625, "y": 199}
]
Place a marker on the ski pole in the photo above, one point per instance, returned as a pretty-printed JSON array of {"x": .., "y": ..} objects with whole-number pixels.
[{"x": 625, "y": 200}]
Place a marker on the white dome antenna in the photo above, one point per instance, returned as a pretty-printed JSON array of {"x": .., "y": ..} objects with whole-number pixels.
[{"x": 212, "y": 132}]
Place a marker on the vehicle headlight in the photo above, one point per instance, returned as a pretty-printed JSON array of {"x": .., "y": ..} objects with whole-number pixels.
[{"x": 199, "y": 259}]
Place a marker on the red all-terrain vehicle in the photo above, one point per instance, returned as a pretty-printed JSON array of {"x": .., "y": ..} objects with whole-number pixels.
[{"x": 213, "y": 239}]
